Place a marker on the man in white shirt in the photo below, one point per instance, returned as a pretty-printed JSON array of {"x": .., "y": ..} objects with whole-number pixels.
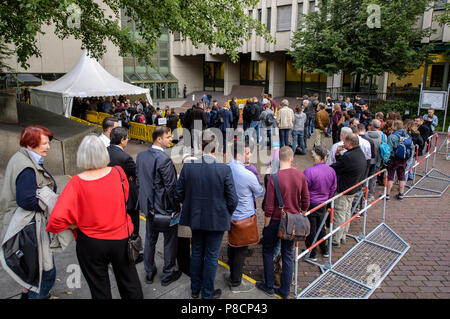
[
  {"x": 108, "y": 124},
  {"x": 332, "y": 153}
]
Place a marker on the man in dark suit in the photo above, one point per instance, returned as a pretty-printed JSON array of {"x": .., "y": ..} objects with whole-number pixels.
[
  {"x": 117, "y": 156},
  {"x": 207, "y": 191},
  {"x": 156, "y": 178},
  {"x": 199, "y": 123}
]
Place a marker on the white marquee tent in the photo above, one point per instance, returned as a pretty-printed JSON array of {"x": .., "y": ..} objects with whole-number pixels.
[{"x": 87, "y": 79}]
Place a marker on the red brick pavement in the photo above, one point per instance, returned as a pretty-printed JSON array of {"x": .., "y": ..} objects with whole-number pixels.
[{"x": 424, "y": 271}]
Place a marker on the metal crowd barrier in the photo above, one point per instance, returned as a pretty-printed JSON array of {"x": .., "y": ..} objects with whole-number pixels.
[
  {"x": 433, "y": 183},
  {"x": 347, "y": 277},
  {"x": 446, "y": 143}
]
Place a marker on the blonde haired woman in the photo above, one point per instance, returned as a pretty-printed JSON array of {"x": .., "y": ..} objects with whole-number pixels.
[{"x": 92, "y": 205}]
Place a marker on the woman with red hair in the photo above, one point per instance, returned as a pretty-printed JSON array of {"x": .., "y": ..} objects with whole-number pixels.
[{"x": 25, "y": 246}]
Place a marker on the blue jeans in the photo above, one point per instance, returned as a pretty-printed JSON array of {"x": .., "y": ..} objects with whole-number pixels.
[
  {"x": 204, "y": 260},
  {"x": 47, "y": 282},
  {"x": 266, "y": 131},
  {"x": 311, "y": 125},
  {"x": 330, "y": 126},
  {"x": 254, "y": 125},
  {"x": 270, "y": 239},
  {"x": 284, "y": 137},
  {"x": 298, "y": 137}
]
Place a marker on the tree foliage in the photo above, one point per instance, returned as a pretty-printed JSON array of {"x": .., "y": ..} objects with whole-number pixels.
[
  {"x": 223, "y": 23},
  {"x": 444, "y": 18},
  {"x": 341, "y": 36}
]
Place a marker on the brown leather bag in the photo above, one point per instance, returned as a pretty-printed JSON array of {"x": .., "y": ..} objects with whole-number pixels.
[{"x": 243, "y": 232}]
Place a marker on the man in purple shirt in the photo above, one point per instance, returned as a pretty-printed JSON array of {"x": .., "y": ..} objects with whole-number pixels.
[{"x": 322, "y": 184}]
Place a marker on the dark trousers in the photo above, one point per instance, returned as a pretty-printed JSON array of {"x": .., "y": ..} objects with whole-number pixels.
[
  {"x": 270, "y": 238},
  {"x": 170, "y": 250},
  {"x": 184, "y": 255},
  {"x": 315, "y": 219},
  {"x": 204, "y": 261},
  {"x": 94, "y": 255},
  {"x": 236, "y": 261}
]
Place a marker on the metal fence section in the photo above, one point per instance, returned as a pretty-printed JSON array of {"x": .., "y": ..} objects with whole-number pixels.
[
  {"x": 361, "y": 270},
  {"x": 433, "y": 183},
  {"x": 446, "y": 144}
]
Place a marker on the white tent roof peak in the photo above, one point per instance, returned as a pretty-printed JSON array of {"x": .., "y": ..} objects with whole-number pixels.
[{"x": 88, "y": 79}]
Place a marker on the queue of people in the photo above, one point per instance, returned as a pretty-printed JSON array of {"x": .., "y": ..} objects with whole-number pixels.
[{"x": 203, "y": 201}]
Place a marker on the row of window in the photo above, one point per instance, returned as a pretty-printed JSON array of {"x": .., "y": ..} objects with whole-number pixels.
[{"x": 284, "y": 14}]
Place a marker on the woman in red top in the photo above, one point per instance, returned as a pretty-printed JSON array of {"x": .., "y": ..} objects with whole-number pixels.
[{"x": 92, "y": 204}]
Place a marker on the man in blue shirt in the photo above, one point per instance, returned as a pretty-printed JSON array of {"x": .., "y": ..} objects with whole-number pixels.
[{"x": 247, "y": 188}]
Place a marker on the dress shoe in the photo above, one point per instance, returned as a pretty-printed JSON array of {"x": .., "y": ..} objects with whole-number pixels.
[
  {"x": 174, "y": 277},
  {"x": 216, "y": 294},
  {"x": 195, "y": 294},
  {"x": 149, "y": 279}
]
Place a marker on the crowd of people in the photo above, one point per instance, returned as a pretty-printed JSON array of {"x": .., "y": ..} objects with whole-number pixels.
[
  {"x": 139, "y": 111},
  {"x": 194, "y": 207}
]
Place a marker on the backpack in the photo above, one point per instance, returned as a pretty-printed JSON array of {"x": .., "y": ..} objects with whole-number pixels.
[
  {"x": 385, "y": 150},
  {"x": 269, "y": 120},
  {"x": 404, "y": 148}
]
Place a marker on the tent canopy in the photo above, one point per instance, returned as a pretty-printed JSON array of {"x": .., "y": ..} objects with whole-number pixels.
[{"x": 87, "y": 79}]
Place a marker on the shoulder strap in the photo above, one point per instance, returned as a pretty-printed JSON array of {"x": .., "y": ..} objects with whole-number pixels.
[
  {"x": 277, "y": 190},
  {"x": 124, "y": 199},
  {"x": 152, "y": 205}
]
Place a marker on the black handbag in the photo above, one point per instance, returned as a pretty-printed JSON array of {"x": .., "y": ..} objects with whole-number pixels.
[
  {"x": 294, "y": 227},
  {"x": 134, "y": 245}
]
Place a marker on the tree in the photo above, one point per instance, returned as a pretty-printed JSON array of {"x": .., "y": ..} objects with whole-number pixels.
[
  {"x": 223, "y": 23},
  {"x": 367, "y": 37}
]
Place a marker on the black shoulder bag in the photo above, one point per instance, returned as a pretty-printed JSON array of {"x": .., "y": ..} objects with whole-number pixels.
[
  {"x": 295, "y": 227},
  {"x": 134, "y": 242}
]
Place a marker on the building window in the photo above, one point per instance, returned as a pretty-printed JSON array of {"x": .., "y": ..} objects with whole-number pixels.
[
  {"x": 269, "y": 19},
  {"x": 312, "y": 6},
  {"x": 176, "y": 36},
  {"x": 299, "y": 15},
  {"x": 284, "y": 18},
  {"x": 435, "y": 75}
]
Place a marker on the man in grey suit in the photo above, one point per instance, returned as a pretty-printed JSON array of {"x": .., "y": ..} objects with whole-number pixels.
[
  {"x": 206, "y": 190},
  {"x": 156, "y": 178}
]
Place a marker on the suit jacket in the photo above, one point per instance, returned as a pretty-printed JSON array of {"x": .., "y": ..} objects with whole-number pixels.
[
  {"x": 207, "y": 192},
  {"x": 165, "y": 182},
  {"x": 119, "y": 157}
]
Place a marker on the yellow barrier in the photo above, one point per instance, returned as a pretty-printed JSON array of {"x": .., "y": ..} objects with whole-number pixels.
[
  {"x": 138, "y": 131},
  {"x": 76, "y": 119},
  {"x": 101, "y": 117},
  {"x": 92, "y": 116},
  {"x": 150, "y": 129}
]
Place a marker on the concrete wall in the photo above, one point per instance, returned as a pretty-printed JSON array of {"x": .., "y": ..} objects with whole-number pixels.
[
  {"x": 188, "y": 70},
  {"x": 61, "y": 158},
  {"x": 8, "y": 108}
]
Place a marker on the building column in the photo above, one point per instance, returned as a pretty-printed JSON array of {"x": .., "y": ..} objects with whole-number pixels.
[
  {"x": 277, "y": 77},
  {"x": 383, "y": 85},
  {"x": 231, "y": 76}
]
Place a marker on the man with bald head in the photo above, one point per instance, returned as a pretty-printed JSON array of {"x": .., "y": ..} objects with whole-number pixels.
[
  {"x": 350, "y": 169},
  {"x": 331, "y": 154}
]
